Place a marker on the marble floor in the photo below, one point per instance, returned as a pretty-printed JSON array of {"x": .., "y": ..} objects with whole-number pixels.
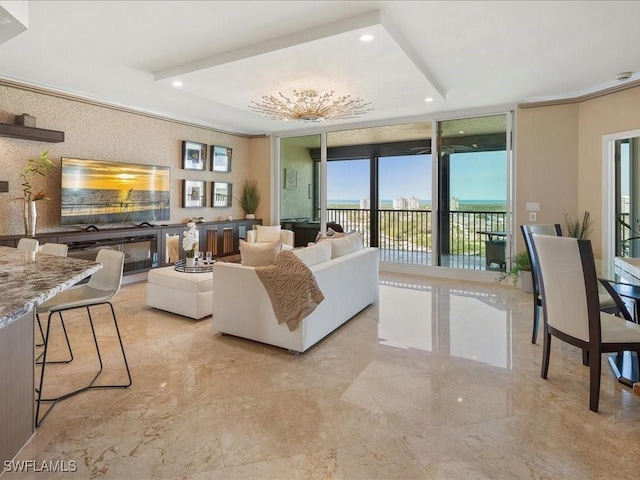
[{"x": 439, "y": 380}]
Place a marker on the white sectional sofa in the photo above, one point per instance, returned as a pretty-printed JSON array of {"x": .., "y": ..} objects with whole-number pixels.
[{"x": 241, "y": 305}]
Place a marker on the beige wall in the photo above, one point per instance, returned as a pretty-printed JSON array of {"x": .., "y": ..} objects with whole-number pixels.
[
  {"x": 97, "y": 132},
  {"x": 260, "y": 154},
  {"x": 615, "y": 113},
  {"x": 559, "y": 157},
  {"x": 546, "y": 164}
]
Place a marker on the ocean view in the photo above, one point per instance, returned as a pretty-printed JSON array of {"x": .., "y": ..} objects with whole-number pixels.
[{"x": 424, "y": 205}]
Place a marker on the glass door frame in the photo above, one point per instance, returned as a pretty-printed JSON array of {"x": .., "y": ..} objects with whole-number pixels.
[
  {"x": 609, "y": 193},
  {"x": 435, "y": 154}
]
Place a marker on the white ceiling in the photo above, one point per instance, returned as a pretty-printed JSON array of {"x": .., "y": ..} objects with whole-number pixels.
[{"x": 467, "y": 55}]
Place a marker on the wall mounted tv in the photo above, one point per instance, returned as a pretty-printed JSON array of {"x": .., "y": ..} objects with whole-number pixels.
[{"x": 102, "y": 192}]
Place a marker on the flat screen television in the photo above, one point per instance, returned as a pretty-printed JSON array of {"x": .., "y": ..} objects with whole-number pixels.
[{"x": 102, "y": 192}]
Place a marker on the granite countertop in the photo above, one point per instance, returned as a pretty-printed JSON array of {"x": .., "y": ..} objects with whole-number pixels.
[{"x": 29, "y": 279}]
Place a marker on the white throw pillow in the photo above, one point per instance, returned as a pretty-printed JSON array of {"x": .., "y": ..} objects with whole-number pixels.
[
  {"x": 268, "y": 233},
  {"x": 345, "y": 245},
  {"x": 314, "y": 254},
  {"x": 258, "y": 255}
]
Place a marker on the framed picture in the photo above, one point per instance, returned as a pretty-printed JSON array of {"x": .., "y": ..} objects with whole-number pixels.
[
  {"x": 290, "y": 179},
  {"x": 194, "y": 194},
  {"x": 220, "y": 158},
  {"x": 194, "y": 155},
  {"x": 221, "y": 194}
]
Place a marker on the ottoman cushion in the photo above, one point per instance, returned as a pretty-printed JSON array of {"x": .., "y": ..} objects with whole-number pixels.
[
  {"x": 187, "y": 294},
  {"x": 187, "y": 282}
]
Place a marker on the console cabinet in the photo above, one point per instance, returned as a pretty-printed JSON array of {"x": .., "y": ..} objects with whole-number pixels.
[{"x": 147, "y": 247}]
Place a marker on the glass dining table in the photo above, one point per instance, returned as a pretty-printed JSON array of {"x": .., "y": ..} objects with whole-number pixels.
[{"x": 625, "y": 277}]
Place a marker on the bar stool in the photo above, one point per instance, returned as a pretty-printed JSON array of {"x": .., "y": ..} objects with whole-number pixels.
[
  {"x": 61, "y": 250},
  {"x": 101, "y": 288},
  {"x": 28, "y": 244}
]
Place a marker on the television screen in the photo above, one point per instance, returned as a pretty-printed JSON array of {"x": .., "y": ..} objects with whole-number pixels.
[{"x": 99, "y": 192}]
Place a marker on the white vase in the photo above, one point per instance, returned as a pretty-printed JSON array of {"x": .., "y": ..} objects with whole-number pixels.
[
  {"x": 191, "y": 262},
  {"x": 30, "y": 216},
  {"x": 250, "y": 216},
  {"x": 526, "y": 281}
]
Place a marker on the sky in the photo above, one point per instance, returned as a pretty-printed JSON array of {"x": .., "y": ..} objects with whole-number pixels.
[{"x": 474, "y": 176}]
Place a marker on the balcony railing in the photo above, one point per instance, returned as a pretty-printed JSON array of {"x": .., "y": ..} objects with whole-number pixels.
[{"x": 405, "y": 235}]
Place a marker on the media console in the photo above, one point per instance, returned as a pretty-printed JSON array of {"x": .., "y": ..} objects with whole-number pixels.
[{"x": 146, "y": 247}]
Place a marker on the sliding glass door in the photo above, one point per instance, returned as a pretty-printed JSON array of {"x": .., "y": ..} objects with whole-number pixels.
[
  {"x": 473, "y": 193},
  {"x": 379, "y": 182}
]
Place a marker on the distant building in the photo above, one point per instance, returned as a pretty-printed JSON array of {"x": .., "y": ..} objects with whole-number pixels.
[
  {"x": 624, "y": 204},
  {"x": 454, "y": 203},
  {"x": 401, "y": 203},
  {"x": 365, "y": 204}
]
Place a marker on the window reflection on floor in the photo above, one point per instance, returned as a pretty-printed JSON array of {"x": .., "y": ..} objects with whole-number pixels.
[{"x": 462, "y": 323}]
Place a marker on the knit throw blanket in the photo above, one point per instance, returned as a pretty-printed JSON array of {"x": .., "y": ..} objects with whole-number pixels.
[{"x": 292, "y": 289}]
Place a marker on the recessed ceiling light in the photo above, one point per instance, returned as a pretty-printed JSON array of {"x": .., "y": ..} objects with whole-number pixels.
[
  {"x": 177, "y": 83},
  {"x": 367, "y": 37},
  {"x": 428, "y": 99},
  {"x": 461, "y": 132}
]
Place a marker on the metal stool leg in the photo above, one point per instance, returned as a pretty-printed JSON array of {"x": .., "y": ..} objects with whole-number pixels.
[{"x": 90, "y": 385}]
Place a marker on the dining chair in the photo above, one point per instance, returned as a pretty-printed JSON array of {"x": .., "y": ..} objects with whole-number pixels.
[
  {"x": 101, "y": 288},
  {"x": 527, "y": 231},
  {"x": 571, "y": 306},
  {"x": 607, "y": 303},
  {"x": 28, "y": 244}
]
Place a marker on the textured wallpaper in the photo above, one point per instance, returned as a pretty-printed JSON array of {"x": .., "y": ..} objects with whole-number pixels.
[{"x": 102, "y": 133}]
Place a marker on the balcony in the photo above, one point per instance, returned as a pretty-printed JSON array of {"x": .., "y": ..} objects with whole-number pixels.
[{"x": 405, "y": 236}]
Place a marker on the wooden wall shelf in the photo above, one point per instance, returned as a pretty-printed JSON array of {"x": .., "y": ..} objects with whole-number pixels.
[{"x": 30, "y": 133}]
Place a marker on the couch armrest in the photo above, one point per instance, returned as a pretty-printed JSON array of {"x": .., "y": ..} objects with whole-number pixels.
[{"x": 287, "y": 237}]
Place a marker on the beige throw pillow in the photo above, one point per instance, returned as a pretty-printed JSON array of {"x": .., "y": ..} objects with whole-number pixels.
[
  {"x": 314, "y": 254},
  {"x": 258, "y": 255},
  {"x": 268, "y": 233},
  {"x": 343, "y": 246}
]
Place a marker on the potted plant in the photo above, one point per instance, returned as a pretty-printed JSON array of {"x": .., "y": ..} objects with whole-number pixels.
[
  {"x": 520, "y": 272},
  {"x": 249, "y": 198},
  {"x": 35, "y": 166},
  {"x": 578, "y": 227}
]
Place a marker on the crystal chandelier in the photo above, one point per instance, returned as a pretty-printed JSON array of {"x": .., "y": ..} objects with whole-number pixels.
[{"x": 310, "y": 106}]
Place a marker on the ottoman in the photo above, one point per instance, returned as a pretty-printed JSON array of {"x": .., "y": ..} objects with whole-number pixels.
[{"x": 187, "y": 294}]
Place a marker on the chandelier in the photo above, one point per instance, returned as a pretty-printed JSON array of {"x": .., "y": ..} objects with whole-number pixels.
[{"x": 310, "y": 106}]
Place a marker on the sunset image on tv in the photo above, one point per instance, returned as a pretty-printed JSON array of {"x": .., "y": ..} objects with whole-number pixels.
[{"x": 101, "y": 192}]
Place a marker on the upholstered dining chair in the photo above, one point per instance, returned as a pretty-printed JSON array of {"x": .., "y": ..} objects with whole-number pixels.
[
  {"x": 571, "y": 306},
  {"x": 607, "y": 303},
  {"x": 527, "y": 230},
  {"x": 28, "y": 244},
  {"x": 101, "y": 288}
]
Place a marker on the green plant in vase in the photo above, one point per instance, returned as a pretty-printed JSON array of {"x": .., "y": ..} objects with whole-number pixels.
[
  {"x": 35, "y": 167},
  {"x": 249, "y": 198},
  {"x": 519, "y": 263},
  {"x": 578, "y": 227}
]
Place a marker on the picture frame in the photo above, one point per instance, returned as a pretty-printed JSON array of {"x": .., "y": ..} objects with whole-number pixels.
[
  {"x": 221, "y": 158},
  {"x": 194, "y": 155},
  {"x": 194, "y": 193},
  {"x": 290, "y": 179},
  {"x": 221, "y": 194}
]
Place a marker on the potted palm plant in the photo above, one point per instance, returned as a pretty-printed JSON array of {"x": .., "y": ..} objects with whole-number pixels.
[{"x": 249, "y": 198}]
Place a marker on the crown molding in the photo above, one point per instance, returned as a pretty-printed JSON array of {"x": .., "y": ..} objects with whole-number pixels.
[
  {"x": 89, "y": 101},
  {"x": 581, "y": 98}
]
